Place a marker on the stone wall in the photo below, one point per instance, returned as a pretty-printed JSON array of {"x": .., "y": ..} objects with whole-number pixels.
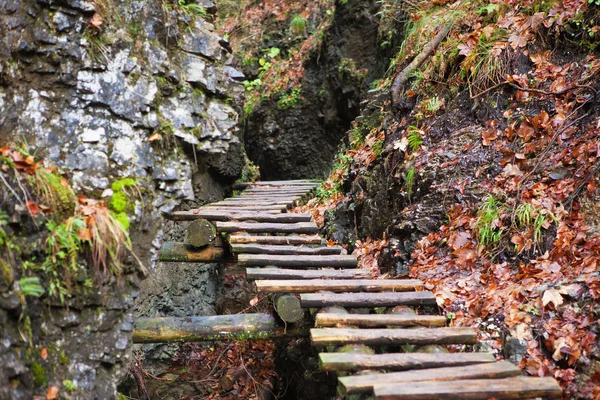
[{"x": 108, "y": 90}]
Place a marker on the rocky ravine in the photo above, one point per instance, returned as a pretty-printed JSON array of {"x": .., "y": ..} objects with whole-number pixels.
[{"x": 106, "y": 91}]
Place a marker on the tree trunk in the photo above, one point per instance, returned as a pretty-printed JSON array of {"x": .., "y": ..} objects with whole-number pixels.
[
  {"x": 288, "y": 308},
  {"x": 201, "y": 233},
  {"x": 371, "y": 300},
  {"x": 181, "y": 252}
]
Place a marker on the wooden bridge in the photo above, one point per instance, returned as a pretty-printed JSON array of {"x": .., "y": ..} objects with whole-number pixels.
[{"x": 283, "y": 254}]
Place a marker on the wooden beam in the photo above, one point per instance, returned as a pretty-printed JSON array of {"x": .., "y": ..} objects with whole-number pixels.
[
  {"x": 192, "y": 329},
  {"x": 262, "y": 198},
  {"x": 516, "y": 388},
  {"x": 251, "y": 203},
  {"x": 399, "y": 361},
  {"x": 317, "y": 285},
  {"x": 234, "y": 208},
  {"x": 288, "y": 308},
  {"x": 277, "y": 273},
  {"x": 181, "y": 252},
  {"x": 364, "y": 383},
  {"x": 276, "y": 240},
  {"x": 233, "y": 215},
  {"x": 340, "y": 336},
  {"x": 303, "y": 183},
  {"x": 359, "y": 300},
  {"x": 378, "y": 320},
  {"x": 267, "y": 227},
  {"x": 259, "y": 260},
  {"x": 284, "y": 250}
]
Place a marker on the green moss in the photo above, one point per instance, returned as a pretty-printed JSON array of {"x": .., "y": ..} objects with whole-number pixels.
[
  {"x": 39, "y": 375},
  {"x": 69, "y": 385},
  {"x": 27, "y": 328},
  {"x": 122, "y": 218},
  {"x": 121, "y": 396},
  {"x": 119, "y": 202},
  {"x": 118, "y": 186},
  {"x": 62, "y": 358}
]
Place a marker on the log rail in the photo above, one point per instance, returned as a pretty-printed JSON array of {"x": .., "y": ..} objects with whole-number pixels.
[{"x": 360, "y": 322}]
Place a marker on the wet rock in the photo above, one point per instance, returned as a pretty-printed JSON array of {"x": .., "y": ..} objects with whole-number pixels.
[{"x": 202, "y": 41}]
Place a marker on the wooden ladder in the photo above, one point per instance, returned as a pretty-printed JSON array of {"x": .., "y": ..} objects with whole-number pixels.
[{"x": 284, "y": 256}]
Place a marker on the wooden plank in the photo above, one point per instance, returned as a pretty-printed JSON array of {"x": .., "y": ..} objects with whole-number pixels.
[
  {"x": 252, "y": 248},
  {"x": 357, "y": 285},
  {"x": 278, "y": 273},
  {"x": 358, "y": 300},
  {"x": 276, "y": 240},
  {"x": 238, "y": 208},
  {"x": 399, "y": 361},
  {"x": 343, "y": 336},
  {"x": 217, "y": 215},
  {"x": 303, "y": 183},
  {"x": 217, "y": 327},
  {"x": 272, "y": 195},
  {"x": 259, "y": 260},
  {"x": 250, "y": 203},
  {"x": 516, "y": 388},
  {"x": 266, "y": 227},
  {"x": 262, "y": 199},
  {"x": 364, "y": 383},
  {"x": 378, "y": 320}
]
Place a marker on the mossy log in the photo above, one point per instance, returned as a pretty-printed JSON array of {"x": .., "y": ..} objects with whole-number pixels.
[
  {"x": 516, "y": 388},
  {"x": 193, "y": 329},
  {"x": 364, "y": 383},
  {"x": 233, "y": 215},
  {"x": 288, "y": 308},
  {"x": 400, "y": 361},
  {"x": 201, "y": 233},
  {"x": 182, "y": 252},
  {"x": 280, "y": 273},
  {"x": 341, "y": 336},
  {"x": 276, "y": 240}
]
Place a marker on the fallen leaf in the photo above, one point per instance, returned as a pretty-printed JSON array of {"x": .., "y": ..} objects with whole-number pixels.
[
  {"x": 552, "y": 296},
  {"x": 33, "y": 208},
  {"x": 154, "y": 137},
  {"x": 52, "y": 393},
  {"x": 254, "y": 301},
  {"x": 96, "y": 21},
  {"x": 44, "y": 353}
]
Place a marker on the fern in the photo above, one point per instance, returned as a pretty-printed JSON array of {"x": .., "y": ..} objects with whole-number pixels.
[
  {"x": 31, "y": 286},
  {"x": 409, "y": 181},
  {"x": 414, "y": 138}
]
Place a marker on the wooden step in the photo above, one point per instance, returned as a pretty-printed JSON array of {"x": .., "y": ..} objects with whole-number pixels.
[
  {"x": 399, "y": 361},
  {"x": 272, "y": 195},
  {"x": 284, "y": 250},
  {"x": 278, "y": 273},
  {"x": 378, "y": 320},
  {"x": 364, "y": 383},
  {"x": 251, "y": 203},
  {"x": 233, "y": 215},
  {"x": 266, "y": 227},
  {"x": 275, "y": 240},
  {"x": 517, "y": 388},
  {"x": 299, "y": 261},
  {"x": 233, "y": 208},
  {"x": 317, "y": 285},
  {"x": 342, "y": 336},
  {"x": 359, "y": 300},
  {"x": 261, "y": 199}
]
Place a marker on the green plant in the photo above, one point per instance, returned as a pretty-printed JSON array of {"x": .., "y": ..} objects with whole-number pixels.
[
  {"x": 488, "y": 225},
  {"x": 414, "y": 138},
  {"x": 192, "y": 9},
  {"x": 433, "y": 105},
  {"x": 3, "y": 235},
  {"x": 298, "y": 25},
  {"x": 31, "y": 286},
  {"x": 377, "y": 148},
  {"x": 69, "y": 385},
  {"x": 409, "y": 181},
  {"x": 288, "y": 100}
]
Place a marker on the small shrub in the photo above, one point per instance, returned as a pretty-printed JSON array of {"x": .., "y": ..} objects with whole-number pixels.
[
  {"x": 414, "y": 138},
  {"x": 409, "y": 181},
  {"x": 488, "y": 225}
]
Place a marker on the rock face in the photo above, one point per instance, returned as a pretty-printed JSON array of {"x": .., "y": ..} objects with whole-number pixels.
[
  {"x": 111, "y": 90},
  {"x": 301, "y": 141}
]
